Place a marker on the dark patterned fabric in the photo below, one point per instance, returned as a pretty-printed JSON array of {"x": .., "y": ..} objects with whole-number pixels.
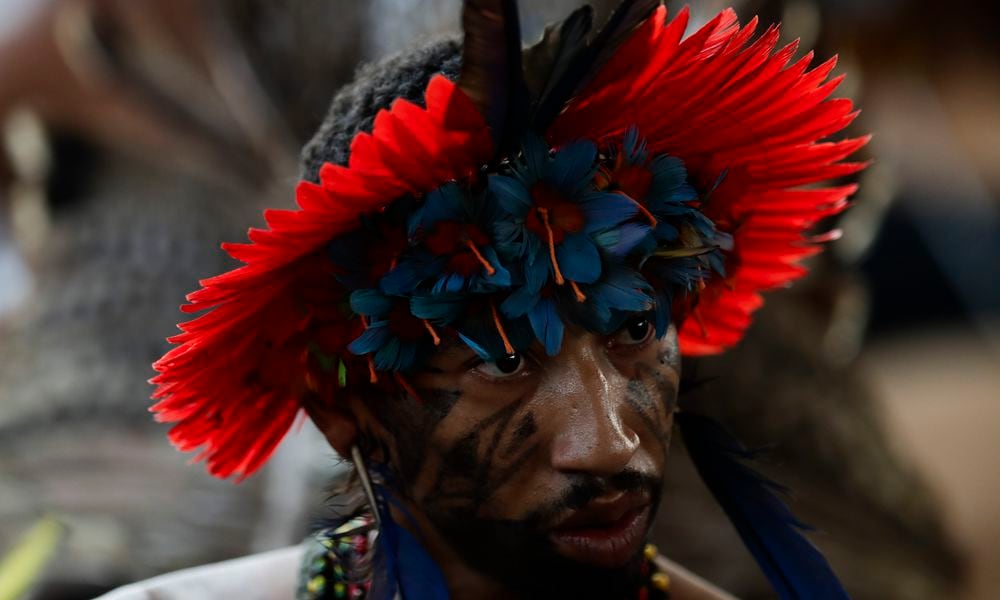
[{"x": 337, "y": 561}]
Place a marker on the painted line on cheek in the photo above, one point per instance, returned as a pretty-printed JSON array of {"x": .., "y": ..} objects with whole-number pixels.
[{"x": 639, "y": 399}]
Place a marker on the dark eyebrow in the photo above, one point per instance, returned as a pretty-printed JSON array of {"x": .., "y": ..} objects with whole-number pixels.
[{"x": 450, "y": 346}]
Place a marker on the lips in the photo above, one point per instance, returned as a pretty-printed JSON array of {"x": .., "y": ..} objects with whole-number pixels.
[{"x": 604, "y": 534}]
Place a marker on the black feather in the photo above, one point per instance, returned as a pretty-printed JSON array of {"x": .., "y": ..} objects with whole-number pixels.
[
  {"x": 491, "y": 73},
  {"x": 579, "y": 59},
  {"x": 795, "y": 568},
  {"x": 547, "y": 59}
]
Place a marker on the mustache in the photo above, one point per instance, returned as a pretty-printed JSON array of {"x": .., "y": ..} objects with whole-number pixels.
[{"x": 585, "y": 489}]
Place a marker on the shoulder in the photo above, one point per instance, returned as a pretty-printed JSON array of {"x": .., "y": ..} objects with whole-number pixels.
[
  {"x": 266, "y": 576},
  {"x": 685, "y": 585}
]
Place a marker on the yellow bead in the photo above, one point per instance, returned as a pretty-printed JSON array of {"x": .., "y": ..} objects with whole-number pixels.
[
  {"x": 316, "y": 584},
  {"x": 660, "y": 581},
  {"x": 649, "y": 552}
]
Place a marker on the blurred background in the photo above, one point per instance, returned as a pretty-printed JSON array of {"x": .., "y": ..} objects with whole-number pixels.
[{"x": 135, "y": 135}]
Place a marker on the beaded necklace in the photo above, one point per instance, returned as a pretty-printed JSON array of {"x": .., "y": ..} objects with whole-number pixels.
[{"x": 337, "y": 565}]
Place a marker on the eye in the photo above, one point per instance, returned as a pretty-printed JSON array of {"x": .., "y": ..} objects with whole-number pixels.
[
  {"x": 505, "y": 366},
  {"x": 636, "y": 331}
]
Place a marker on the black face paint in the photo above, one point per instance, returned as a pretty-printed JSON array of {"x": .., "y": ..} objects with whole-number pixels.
[
  {"x": 412, "y": 425},
  {"x": 519, "y": 553},
  {"x": 525, "y": 429},
  {"x": 474, "y": 468}
]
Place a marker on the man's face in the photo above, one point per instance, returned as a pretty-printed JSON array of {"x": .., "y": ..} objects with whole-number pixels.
[{"x": 534, "y": 465}]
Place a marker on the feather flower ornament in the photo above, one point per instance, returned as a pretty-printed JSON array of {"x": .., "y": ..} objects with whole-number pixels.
[
  {"x": 393, "y": 336},
  {"x": 554, "y": 213},
  {"x": 632, "y": 169},
  {"x": 454, "y": 251},
  {"x": 554, "y": 220}
]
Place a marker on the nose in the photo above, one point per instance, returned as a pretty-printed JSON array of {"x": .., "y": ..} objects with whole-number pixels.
[{"x": 589, "y": 391}]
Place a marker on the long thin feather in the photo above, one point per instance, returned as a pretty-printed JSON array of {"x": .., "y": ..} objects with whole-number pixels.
[
  {"x": 578, "y": 61},
  {"x": 546, "y": 60},
  {"x": 795, "y": 568},
  {"x": 403, "y": 568},
  {"x": 491, "y": 74}
]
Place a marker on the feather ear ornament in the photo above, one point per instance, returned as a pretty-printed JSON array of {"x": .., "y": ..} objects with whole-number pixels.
[{"x": 402, "y": 568}]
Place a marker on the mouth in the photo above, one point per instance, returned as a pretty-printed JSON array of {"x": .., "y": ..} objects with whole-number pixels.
[{"x": 604, "y": 534}]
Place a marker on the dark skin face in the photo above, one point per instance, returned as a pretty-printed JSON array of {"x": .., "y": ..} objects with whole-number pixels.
[{"x": 496, "y": 457}]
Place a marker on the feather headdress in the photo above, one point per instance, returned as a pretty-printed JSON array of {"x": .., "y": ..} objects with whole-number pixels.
[{"x": 592, "y": 175}]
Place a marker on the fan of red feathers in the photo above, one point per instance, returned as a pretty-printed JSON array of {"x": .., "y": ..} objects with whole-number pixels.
[{"x": 747, "y": 122}]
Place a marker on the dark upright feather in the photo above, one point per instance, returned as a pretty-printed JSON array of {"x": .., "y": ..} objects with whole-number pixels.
[
  {"x": 578, "y": 60},
  {"x": 491, "y": 68},
  {"x": 795, "y": 568},
  {"x": 548, "y": 58}
]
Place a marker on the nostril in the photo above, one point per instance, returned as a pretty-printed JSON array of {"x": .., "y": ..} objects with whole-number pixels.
[{"x": 594, "y": 442}]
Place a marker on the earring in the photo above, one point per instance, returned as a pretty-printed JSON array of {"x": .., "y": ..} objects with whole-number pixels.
[{"x": 366, "y": 483}]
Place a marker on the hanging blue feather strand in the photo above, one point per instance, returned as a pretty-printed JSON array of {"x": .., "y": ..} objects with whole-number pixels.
[
  {"x": 402, "y": 568},
  {"x": 795, "y": 568}
]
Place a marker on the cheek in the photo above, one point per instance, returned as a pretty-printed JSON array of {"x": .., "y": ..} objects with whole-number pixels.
[{"x": 480, "y": 458}]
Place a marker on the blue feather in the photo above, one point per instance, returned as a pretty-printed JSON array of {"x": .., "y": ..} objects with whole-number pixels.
[
  {"x": 480, "y": 351},
  {"x": 402, "y": 564},
  {"x": 619, "y": 241},
  {"x": 666, "y": 232},
  {"x": 624, "y": 289},
  {"x": 510, "y": 194},
  {"x": 547, "y": 325},
  {"x": 520, "y": 302},
  {"x": 387, "y": 358},
  {"x": 606, "y": 209},
  {"x": 571, "y": 166},
  {"x": 536, "y": 155},
  {"x": 371, "y": 339},
  {"x": 405, "y": 277},
  {"x": 661, "y": 311},
  {"x": 578, "y": 258},
  {"x": 633, "y": 147},
  {"x": 499, "y": 279},
  {"x": 795, "y": 568},
  {"x": 440, "y": 309},
  {"x": 370, "y": 302}
]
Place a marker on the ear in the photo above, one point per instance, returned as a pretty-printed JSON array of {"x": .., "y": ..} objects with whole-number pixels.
[{"x": 338, "y": 423}]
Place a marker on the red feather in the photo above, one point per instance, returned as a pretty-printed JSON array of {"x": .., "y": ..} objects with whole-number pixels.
[
  {"x": 234, "y": 384},
  {"x": 726, "y": 104},
  {"x": 721, "y": 100}
]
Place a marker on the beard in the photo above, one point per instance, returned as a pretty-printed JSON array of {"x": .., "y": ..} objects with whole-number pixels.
[{"x": 519, "y": 555}]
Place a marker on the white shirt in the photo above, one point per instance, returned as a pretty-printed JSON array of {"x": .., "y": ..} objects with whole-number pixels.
[{"x": 266, "y": 576}]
